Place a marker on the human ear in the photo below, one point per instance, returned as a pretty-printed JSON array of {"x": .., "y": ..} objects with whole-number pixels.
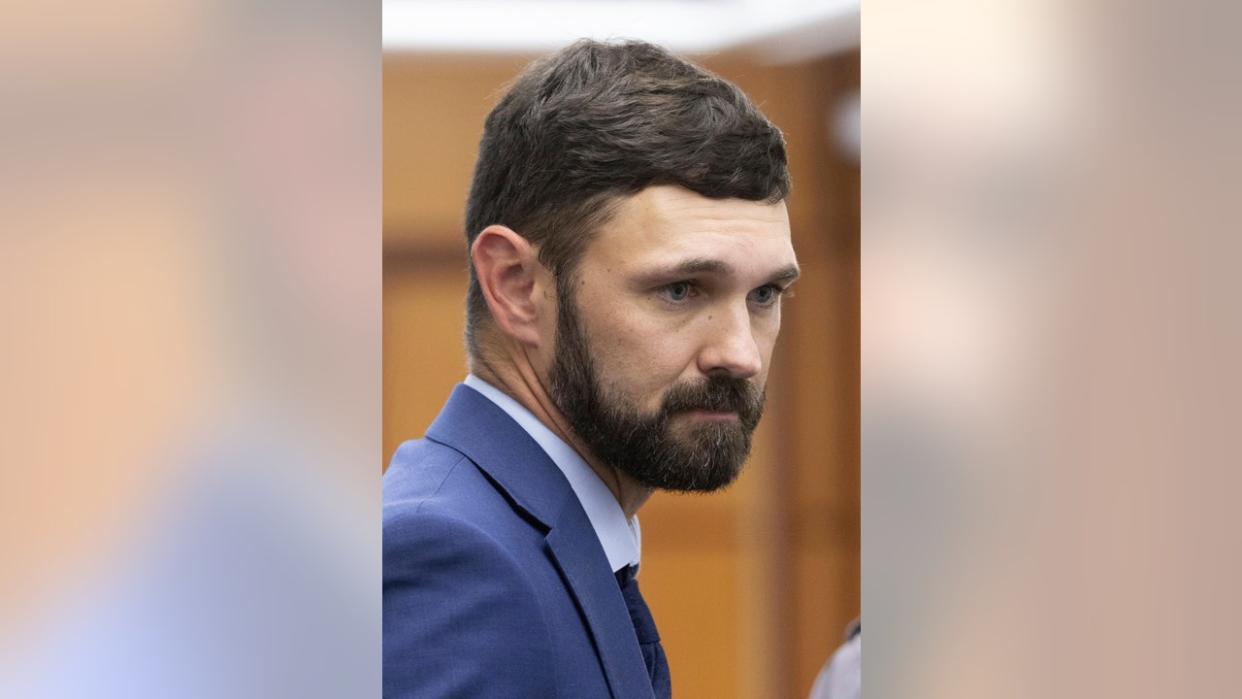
[{"x": 507, "y": 267}]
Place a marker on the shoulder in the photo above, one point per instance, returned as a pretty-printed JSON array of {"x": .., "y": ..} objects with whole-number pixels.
[
  {"x": 461, "y": 617},
  {"x": 430, "y": 488},
  {"x": 418, "y": 469},
  {"x": 431, "y": 496},
  {"x": 841, "y": 676},
  {"x": 419, "y": 541}
]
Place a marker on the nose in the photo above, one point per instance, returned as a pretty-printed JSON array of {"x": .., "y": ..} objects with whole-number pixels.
[{"x": 730, "y": 348}]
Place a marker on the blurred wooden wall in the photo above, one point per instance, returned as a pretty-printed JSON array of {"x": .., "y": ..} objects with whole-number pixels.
[{"x": 751, "y": 588}]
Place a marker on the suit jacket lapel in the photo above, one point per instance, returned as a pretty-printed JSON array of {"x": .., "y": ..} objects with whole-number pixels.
[
  {"x": 581, "y": 559},
  {"x": 478, "y": 428}
]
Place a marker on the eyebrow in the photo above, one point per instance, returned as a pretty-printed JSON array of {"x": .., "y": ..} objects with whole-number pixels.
[
  {"x": 789, "y": 273},
  {"x": 709, "y": 265}
]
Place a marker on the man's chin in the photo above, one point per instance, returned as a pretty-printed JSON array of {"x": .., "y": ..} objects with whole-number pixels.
[
  {"x": 701, "y": 483},
  {"x": 699, "y": 430},
  {"x": 688, "y": 473}
]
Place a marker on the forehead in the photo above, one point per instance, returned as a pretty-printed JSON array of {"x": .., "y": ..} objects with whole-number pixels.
[{"x": 664, "y": 223}]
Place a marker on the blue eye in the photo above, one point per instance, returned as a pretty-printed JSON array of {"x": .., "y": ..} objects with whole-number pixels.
[
  {"x": 766, "y": 295},
  {"x": 678, "y": 291}
]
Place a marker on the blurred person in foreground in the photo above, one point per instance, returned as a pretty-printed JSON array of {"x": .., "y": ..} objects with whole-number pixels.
[
  {"x": 195, "y": 348},
  {"x": 629, "y": 248}
]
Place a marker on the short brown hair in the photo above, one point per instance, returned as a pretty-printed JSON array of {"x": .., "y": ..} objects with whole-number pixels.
[{"x": 598, "y": 121}]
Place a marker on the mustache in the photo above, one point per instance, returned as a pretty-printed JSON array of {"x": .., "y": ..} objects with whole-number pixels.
[{"x": 717, "y": 394}]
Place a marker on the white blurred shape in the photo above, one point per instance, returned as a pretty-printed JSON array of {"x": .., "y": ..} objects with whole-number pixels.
[{"x": 782, "y": 30}]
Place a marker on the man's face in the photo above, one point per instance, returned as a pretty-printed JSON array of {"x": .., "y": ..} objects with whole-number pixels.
[{"x": 665, "y": 334}]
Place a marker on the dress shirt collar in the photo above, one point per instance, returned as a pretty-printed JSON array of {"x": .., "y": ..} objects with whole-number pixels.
[{"x": 621, "y": 538}]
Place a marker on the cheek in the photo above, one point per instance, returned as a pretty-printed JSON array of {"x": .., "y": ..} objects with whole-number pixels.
[
  {"x": 766, "y": 333},
  {"x": 637, "y": 358}
]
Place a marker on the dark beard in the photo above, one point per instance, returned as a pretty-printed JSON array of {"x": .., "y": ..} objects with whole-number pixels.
[{"x": 706, "y": 457}]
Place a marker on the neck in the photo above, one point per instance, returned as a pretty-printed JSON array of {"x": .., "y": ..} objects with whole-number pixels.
[{"x": 513, "y": 373}]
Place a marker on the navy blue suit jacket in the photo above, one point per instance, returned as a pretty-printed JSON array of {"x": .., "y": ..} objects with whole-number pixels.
[{"x": 495, "y": 584}]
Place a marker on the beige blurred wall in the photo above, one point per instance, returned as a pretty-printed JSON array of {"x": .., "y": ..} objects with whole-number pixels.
[{"x": 752, "y": 587}]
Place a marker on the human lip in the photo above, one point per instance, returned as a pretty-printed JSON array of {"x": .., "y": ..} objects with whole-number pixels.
[{"x": 713, "y": 415}]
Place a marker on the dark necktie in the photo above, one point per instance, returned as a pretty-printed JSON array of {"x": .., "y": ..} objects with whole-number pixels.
[{"x": 648, "y": 637}]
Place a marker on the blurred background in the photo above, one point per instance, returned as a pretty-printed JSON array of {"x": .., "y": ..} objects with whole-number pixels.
[{"x": 752, "y": 588}]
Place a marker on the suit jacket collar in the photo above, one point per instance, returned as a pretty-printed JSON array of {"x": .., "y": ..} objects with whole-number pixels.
[
  {"x": 618, "y": 534},
  {"x": 478, "y": 428}
]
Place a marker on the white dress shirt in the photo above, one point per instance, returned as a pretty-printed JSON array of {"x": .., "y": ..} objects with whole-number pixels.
[{"x": 620, "y": 537}]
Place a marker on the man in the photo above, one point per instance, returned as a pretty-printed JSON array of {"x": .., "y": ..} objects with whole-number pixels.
[{"x": 629, "y": 248}]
